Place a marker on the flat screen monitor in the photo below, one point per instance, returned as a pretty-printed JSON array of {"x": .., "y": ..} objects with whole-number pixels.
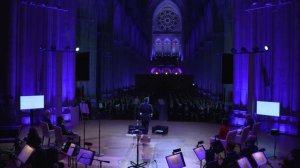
[
  {"x": 260, "y": 158},
  {"x": 200, "y": 152},
  {"x": 268, "y": 108},
  {"x": 175, "y": 160},
  {"x": 244, "y": 163},
  {"x": 85, "y": 156},
  {"x": 31, "y": 102}
]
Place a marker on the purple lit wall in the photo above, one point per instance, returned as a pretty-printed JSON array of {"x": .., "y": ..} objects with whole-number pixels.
[
  {"x": 122, "y": 48},
  {"x": 277, "y": 76},
  {"x": 50, "y": 71},
  {"x": 205, "y": 47}
]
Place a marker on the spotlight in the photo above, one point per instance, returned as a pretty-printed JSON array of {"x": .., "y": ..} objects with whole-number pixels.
[
  {"x": 244, "y": 50},
  {"x": 166, "y": 73},
  {"x": 176, "y": 73},
  {"x": 266, "y": 48},
  {"x": 156, "y": 73},
  {"x": 77, "y": 49}
]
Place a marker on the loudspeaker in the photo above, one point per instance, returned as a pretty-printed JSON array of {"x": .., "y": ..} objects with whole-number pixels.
[
  {"x": 159, "y": 129},
  {"x": 133, "y": 129},
  {"x": 83, "y": 66},
  {"x": 227, "y": 69}
]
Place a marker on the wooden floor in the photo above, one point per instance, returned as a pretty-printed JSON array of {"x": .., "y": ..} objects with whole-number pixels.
[{"x": 120, "y": 148}]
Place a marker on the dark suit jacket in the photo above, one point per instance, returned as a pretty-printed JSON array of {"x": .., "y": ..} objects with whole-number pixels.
[
  {"x": 146, "y": 110},
  {"x": 48, "y": 121},
  {"x": 64, "y": 130}
]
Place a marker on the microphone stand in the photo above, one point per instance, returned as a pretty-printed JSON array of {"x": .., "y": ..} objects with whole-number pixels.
[
  {"x": 83, "y": 132},
  {"x": 99, "y": 154},
  {"x": 137, "y": 164}
]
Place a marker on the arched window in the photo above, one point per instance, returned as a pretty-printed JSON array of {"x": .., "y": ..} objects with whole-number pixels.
[
  {"x": 167, "y": 29},
  {"x": 175, "y": 47},
  {"x": 158, "y": 47}
]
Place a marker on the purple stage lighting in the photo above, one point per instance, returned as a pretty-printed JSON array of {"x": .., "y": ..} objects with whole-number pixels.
[
  {"x": 177, "y": 71},
  {"x": 155, "y": 70},
  {"x": 167, "y": 71}
]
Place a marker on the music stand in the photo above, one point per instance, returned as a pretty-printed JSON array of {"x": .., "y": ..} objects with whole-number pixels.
[
  {"x": 137, "y": 164},
  {"x": 243, "y": 163},
  {"x": 71, "y": 152},
  {"x": 275, "y": 134},
  {"x": 24, "y": 155},
  {"x": 200, "y": 153},
  {"x": 85, "y": 156},
  {"x": 99, "y": 134},
  {"x": 65, "y": 147},
  {"x": 260, "y": 159},
  {"x": 175, "y": 160}
]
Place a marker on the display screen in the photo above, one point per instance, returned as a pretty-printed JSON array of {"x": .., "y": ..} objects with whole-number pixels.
[
  {"x": 200, "y": 152},
  {"x": 175, "y": 161},
  {"x": 31, "y": 102},
  {"x": 268, "y": 108}
]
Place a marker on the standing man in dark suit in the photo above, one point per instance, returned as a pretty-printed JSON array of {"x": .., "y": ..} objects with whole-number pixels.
[
  {"x": 146, "y": 112},
  {"x": 47, "y": 119}
]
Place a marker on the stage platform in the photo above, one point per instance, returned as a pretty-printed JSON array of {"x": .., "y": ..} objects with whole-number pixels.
[
  {"x": 120, "y": 148},
  {"x": 163, "y": 83}
]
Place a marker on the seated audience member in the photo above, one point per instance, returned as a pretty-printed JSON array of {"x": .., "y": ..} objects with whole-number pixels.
[
  {"x": 47, "y": 119},
  {"x": 292, "y": 160},
  {"x": 60, "y": 123},
  {"x": 231, "y": 156},
  {"x": 250, "y": 146},
  {"x": 222, "y": 131},
  {"x": 249, "y": 121},
  {"x": 33, "y": 139}
]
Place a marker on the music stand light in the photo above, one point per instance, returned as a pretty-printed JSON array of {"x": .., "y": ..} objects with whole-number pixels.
[
  {"x": 200, "y": 153},
  {"x": 178, "y": 150},
  {"x": 175, "y": 160},
  {"x": 243, "y": 163},
  {"x": 85, "y": 156},
  {"x": 24, "y": 155},
  {"x": 65, "y": 147}
]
